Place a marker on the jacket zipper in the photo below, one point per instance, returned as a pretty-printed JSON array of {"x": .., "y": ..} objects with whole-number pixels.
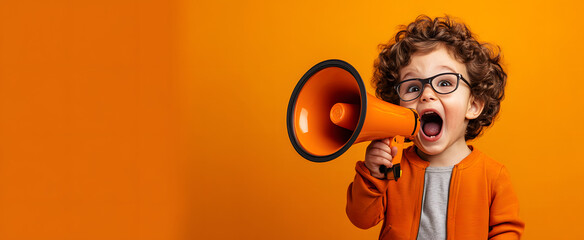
[
  {"x": 421, "y": 205},
  {"x": 450, "y": 196}
]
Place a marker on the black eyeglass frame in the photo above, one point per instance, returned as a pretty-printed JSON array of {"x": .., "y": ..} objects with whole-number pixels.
[{"x": 425, "y": 81}]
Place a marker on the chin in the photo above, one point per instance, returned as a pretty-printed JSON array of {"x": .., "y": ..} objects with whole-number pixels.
[{"x": 429, "y": 148}]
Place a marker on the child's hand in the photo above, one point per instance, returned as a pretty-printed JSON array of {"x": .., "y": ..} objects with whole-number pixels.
[{"x": 379, "y": 153}]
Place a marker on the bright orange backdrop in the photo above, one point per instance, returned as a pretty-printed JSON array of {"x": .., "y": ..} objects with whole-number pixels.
[{"x": 166, "y": 119}]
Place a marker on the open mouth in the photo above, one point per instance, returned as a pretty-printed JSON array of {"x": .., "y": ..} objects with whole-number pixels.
[{"x": 431, "y": 124}]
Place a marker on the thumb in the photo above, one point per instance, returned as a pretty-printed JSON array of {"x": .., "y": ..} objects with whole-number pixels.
[{"x": 394, "y": 150}]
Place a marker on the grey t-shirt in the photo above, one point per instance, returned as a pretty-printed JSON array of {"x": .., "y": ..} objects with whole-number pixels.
[{"x": 435, "y": 203}]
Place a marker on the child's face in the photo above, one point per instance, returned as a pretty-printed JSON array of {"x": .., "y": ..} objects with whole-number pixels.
[{"x": 444, "y": 117}]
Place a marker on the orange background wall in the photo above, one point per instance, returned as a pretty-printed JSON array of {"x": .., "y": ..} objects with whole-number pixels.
[{"x": 166, "y": 119}]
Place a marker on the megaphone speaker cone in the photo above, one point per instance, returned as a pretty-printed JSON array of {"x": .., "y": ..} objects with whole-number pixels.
[
  {"x": 329, "y": 111},
  {"x": 310, "y": 129}
]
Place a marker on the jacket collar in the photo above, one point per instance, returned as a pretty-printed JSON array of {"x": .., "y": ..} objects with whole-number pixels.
[{"x": 414, "y": 159}]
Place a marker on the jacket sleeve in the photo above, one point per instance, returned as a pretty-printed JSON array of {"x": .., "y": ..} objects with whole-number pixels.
[
  {"x": 504, "y": 222},
  {"x": 366, "y": 198}
]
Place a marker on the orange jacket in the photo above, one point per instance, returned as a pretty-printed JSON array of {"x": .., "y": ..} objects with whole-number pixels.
[{"x": 481, "y": 202}]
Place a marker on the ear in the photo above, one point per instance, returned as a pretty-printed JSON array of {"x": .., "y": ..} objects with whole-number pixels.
[{"x": 475, "y": 108}]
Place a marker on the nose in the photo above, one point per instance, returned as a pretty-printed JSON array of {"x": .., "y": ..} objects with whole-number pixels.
[{"x": 428, "y": 94}]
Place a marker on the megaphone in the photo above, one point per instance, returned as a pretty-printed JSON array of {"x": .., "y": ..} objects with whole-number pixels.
[{"x": 330, "y": 110}]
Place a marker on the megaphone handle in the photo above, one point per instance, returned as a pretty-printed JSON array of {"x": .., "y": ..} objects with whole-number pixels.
[{"x": 394, "y": 172}]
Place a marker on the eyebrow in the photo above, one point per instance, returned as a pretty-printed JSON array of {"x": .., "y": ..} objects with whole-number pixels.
[{"x": 439, "y": 67}]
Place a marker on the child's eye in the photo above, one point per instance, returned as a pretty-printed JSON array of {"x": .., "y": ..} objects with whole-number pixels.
[
  {"x": 413, "y": 89},
  {"x": 444, "y": 83}
]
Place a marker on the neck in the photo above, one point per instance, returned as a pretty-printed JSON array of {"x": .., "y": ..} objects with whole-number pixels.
[{"x": 449, "y": 157}]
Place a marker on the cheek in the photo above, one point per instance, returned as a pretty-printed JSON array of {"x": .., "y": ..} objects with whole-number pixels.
[
  {"x": 459, "y": 112},
  {"x": 455, "y": 112},
  {"x": 456, "y": 106},
  {"x": 411, "y": 104}
]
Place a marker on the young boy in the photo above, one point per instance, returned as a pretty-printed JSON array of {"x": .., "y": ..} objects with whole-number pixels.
[{"x": 448, "y": 189}]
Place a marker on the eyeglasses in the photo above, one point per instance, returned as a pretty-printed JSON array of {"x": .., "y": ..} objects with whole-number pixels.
[{"x": 443, "y": 83}]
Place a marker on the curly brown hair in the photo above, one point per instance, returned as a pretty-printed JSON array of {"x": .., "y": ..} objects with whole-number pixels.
[{"x": 482, "y": 61}]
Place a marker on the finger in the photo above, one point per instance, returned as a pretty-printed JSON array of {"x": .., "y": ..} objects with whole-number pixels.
[
  {"x": 372, "y": 168},
  {"x": 394, "y": 150},
  {"x": 384, "y": 141},
  {"x": 375, "y": 171},
  {"x": 373, "y": 144},
  {"x": 379, "y": 145},
  {"x": 378, "y": 161},
  {"x": 380, "y": 153}
]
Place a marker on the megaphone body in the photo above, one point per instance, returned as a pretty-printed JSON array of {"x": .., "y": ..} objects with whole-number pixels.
[{"x": 330, "y": 110}]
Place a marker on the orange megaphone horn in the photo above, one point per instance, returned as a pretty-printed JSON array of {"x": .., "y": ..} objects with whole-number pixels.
[{"x": 330, "y": 110}]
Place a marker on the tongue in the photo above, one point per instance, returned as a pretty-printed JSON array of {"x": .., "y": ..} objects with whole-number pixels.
[{"x": 431, "y": 129}]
